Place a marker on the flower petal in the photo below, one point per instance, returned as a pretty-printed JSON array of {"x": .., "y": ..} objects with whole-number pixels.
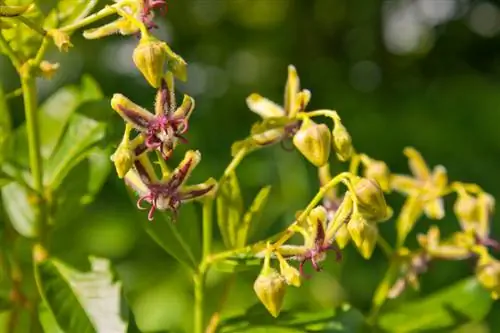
[
  {"x": 410, "y": 213},
  {"x": 186, "y": 108},
  {"x": 434, "y": 209},
  {"x": 439, "y": 177},
  {"x": 264, "y": 107},
  {"x": 179, "y": 176},
  {"x": 291, "y": 90},
  {"x": 132, "y": 113},
  {"x": 404, "y": 184},
  {"x": 417, "y": 163}
]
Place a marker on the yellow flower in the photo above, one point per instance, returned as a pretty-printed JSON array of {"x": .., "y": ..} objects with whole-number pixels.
[{"x": 424, "y": 192}]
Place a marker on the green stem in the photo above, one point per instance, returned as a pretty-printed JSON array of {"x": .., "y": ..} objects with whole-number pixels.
[
  {"x": 32, "y": 25},
  {"x": 10, "y": 53},
  {"x": 35, "y": 158},
  {"x": 106, "y": 11},
  {"x": 198, "y": 280},
  {"x": 384, "y": 245},
  {"x": 207, "y": 226},
  {"x": 233, "y": 165},
  {"x": 380, "y": 295}
]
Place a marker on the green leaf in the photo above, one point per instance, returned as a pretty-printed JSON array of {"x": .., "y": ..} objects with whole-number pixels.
[
  {"x": 460, "y": 303},
  {"x": 60, "y": 298},
  {"x": 22, "y": 39},
  {"x": 229, "y": 209},
  {"x": 344, "y": 319},
  {"x": 5, "y": 179},
  {"x": 18, "y": 203},
  {"x": 252, "y": 216},
  {"x": 181, "y": 239},
  {"x": 64, "y": 12},
  {"x": 5, "y": 126},
  {"x": 80, "y": 135}
]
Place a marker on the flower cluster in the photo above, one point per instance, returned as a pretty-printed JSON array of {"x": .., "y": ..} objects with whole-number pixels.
[
  {"x": 158, "y": 133},
  {"x": 354, "y": 214}
]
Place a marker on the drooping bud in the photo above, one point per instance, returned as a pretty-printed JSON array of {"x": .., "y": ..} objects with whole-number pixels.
[
  {"x": 124, "y": 156},
  {"x": 377, "y": 170},
  {"x": 150, "y": 57},
  {"x": 370, "y": 199},
  {"x": 61, "y": 40},
  {"x": 270, "y": 287},
  {"x": 342, "y": 237},
  {"x": 488, "y": 274},
  {"x": 342, "y": 142},
  {"x": 364, "y": 234},
  {"x": 289, "y": 273},
  {"x": 313, "y": 141}
]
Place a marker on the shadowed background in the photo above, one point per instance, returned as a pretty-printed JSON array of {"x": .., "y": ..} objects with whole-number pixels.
[{"x": 421, "y": 73}]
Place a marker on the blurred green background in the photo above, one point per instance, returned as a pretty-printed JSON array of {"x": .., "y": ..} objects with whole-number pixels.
[{"x": 421, "y": 73}]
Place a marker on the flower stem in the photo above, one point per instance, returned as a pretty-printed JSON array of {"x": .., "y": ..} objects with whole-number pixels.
[
  {"x": 380, "y": 295},
  {"x": 198, "y": 280},
  {"x": 207, "y": 226},
  {"x": 106, "y": 11},
  {"x": 10, "y": 53},
  {"x": 35, "y": 158}
]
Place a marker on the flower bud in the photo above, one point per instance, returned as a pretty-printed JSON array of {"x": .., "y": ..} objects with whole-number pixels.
[
  {"x": 370, "y": 199},
  {"x": 364, "y": 234},
  {"x": 342, "y": 237},
  {"x": 47, "y": 69},
  {"x": 150, "y": 57},
  {"x": 488, "y": 274},
  {"x": 313, "y": 141},
  {"x": 289, "y": 273},
  {"x": 342, "y": 142},
  {"x": 270, "y": 288},
  {"x": 377, "y": 170},
  {"x": 123, "y": 158},
  {"x": 61, "y": 40}
]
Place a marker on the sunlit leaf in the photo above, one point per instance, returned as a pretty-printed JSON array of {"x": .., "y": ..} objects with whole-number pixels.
[
  {"x": 80, "y": 135},
  {"x": 22, "y": 39},
  {"x": 456, "y": 305},
  {"x": 18, "y": 203},
  {"x": 344, "y": 319},
  {"x": 60, "y": 298},
  {"x": 229, "y": 209},
  {"x": 252, "y": 215}
]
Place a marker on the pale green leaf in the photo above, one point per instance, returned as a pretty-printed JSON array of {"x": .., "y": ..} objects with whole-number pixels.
[
  {"x": 229, "y": 209},
  {"x": 252, "y": 215},
  {"x": 60, "y": 298}
]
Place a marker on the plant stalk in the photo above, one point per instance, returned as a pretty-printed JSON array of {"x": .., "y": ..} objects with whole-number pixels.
[
  {"x": 35, "y": 157},
  {"x": 199, "y": 291}
]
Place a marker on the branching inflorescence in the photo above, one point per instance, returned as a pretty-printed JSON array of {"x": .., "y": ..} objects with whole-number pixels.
[{"x": 330, "y": 221}]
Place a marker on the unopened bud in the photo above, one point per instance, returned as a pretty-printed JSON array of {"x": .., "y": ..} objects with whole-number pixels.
[
  {"x": 61, "y": 40},
  {"x": 123, "y": 158},
  {"x": 313, "y": 141},
  {"x": 289, "y": 273},
  {"x": 377, "y": 170},
  {"x": 342, "y": 142},
  {"x": 150, "y": 58},
  {"x": 47, "y": 69},
  {"x": 270, "y": 288},
  {"x": 488, "y": 274},
  {"x": 364, "y": 234},
  {"x": 370, "y": 199},
  {"x": 342, "y": 237}
]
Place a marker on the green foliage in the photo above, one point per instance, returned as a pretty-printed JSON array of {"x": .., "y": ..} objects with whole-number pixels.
[
  {"x": 55, "y": 161},
  {"x": 60, "y": 298},
  {"x": 465, "y": 301},
  {"x": 344, "y": 319}
]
